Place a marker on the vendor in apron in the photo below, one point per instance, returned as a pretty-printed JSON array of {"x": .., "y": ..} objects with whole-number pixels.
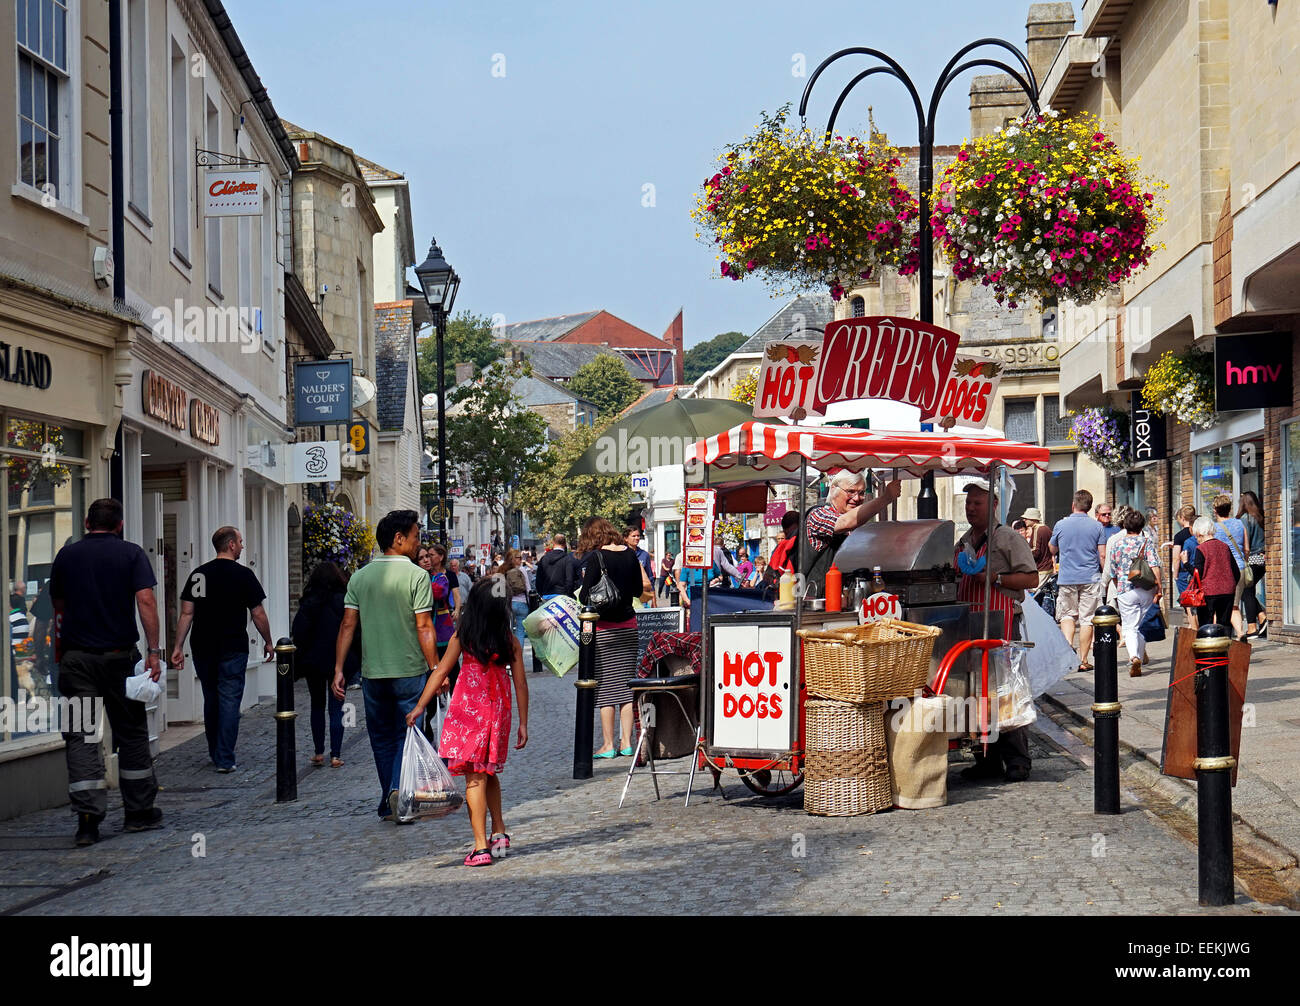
[
  {"x": 827, "y": 525},
  {"x": 1014, "y": 572}
]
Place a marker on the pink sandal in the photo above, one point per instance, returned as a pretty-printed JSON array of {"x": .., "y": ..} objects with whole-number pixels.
[
  {"x": 479, "y": 857},
  {"x": 500, "y": 844}
]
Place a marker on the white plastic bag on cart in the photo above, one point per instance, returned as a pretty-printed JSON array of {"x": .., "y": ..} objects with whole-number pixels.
[
  {"x": 1013, "y": 703},
  {"x": 142, "y": 688},
  {"x": 1051, "y": 659},
  {"x": 426, "y": 788}
]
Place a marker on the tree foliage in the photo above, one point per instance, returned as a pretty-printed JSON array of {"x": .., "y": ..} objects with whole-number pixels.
[
  {"x": 606, "y": 382},
  {"x": 704, "y": 356},
  {"x": 468, "y": 340},
  {"x": 493, "y": 441},
  {"x": 558, "y": 502}
]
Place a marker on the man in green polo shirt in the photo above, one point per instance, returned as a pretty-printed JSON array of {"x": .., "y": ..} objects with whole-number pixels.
[{"x": 392, "y": 600}]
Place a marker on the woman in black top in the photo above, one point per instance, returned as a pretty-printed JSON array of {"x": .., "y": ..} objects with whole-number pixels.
[
  {"x": 315, "y": 631},
  {"x": 615, "y": 641}
]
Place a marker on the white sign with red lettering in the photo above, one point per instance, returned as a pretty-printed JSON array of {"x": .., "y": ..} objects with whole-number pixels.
[
  {"x": 970, "y": 392},
  {"x": 233, "y": 193},
  {"x": 787, "y": 382},
  {"x": 879, "y": 606},
  {"x": 752, "y": 693}
]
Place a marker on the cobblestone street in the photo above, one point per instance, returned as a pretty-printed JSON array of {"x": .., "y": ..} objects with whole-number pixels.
[{"x": 1033, "y": 848}]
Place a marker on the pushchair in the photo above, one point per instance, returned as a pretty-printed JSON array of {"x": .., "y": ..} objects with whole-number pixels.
[{"x": 1045, "y": 595}]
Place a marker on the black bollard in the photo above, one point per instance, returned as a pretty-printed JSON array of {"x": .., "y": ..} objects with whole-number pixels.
[
  {"x": 286, "y": 777},
  {"x": 1105, "y": 711},
  {"x": 1214, "y": 764},
  {"x": 584, "y": 723}
]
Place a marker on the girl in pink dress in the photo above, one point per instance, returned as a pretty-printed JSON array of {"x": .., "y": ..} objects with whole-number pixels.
[{"x": 476, "y": 733}]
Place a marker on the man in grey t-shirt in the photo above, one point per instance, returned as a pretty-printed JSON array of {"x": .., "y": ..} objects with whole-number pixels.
[{"x": 1078, "y": 546}]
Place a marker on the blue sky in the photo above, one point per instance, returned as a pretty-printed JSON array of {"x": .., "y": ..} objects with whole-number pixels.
[{"x": 533, "y": 181}]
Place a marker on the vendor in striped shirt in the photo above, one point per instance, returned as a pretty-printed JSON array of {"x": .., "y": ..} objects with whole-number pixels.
[{"x": 827, "y": 525}]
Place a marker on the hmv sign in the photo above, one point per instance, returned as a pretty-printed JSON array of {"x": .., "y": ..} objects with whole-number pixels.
[
  {"x": 1149, "y": 442},
  {"x": 1252, "y": 371}
]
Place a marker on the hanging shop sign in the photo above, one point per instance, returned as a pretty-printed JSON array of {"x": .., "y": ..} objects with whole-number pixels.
[
  {"x": 775, "y": 511},
  {"x": 25, "y": 367},
  {"x": 1150, "y": 441},
  {"x": 969, "y": 395},
  {"x": 1252, "y": 372},
  {"x": 314, "y": 462},
  {"x": 898, "y": 359},
  {"x": 322, "y": 392},
  {"x": 232, "y": 193}
]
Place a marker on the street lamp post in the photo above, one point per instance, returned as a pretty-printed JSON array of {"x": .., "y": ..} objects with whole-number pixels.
[
  {"x": 928, "y": 502},
  {"x": 439, "y": 282}
]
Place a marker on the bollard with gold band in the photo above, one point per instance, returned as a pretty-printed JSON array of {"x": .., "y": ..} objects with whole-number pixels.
[
  {"x": 1105, "y": 711},
  {"x": 1213, "y": 766},
  {"x": 585, "y": 721},
  {"x": 286, "y": 775}
]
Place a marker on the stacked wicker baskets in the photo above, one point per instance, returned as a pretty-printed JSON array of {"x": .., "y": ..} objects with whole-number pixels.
[{"x": 850, "y": 674}]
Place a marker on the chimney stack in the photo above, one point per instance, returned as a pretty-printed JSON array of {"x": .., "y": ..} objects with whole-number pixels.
[{"x": 1045, "y": 29}]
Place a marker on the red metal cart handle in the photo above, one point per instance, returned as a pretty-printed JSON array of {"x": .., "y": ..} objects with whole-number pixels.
[{"x": 945, "y": 665}]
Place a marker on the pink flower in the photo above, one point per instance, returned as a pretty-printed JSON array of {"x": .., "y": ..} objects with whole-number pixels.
[
  {"x": 963, "y": 155},
  {"x": 750, "y": 265}
]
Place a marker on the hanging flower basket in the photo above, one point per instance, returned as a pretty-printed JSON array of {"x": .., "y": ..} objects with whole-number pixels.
[
  {"x": 1046, "y": 207},
  {"x": 805, "y": 212},
  {"x": 1182, "y": 385},
  {"x": 1103, "y": 435},
  {"x": 746, "y": 388},
  {"x": 731, "y": 530},
  {"x": 331, "y": 533}
]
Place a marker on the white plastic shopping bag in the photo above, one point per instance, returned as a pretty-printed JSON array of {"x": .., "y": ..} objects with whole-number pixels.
[
  {"x": 142, "y": 688},
  {"x": 554, "y": 629},
  {"x": 1051, "y": 659},
  {"x": 1013, "y": 703},
  {"x": 426, "y": 788}
]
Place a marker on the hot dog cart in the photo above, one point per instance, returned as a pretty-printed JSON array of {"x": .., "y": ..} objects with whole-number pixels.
[{"x": 751, "y": 696}]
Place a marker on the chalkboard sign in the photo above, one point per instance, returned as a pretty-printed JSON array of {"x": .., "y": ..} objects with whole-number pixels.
[{"x": 652, "y": 620}]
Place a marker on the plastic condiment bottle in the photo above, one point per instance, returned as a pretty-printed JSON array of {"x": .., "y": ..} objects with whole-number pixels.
[
  {"x": 877, "y": 580},
  {"x": 785, "y": 590},
  {"x": 834, "y": 588}
]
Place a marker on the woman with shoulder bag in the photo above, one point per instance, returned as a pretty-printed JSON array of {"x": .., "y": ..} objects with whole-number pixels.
[
  {"x": 1134, "y": 568},
  {"x": 1252, "y": 603},
  {"x": 315, "y": 633},
  {"x": 612, "y": 577},
  {"x": 1215, "y": 570},
  {"x": 1232, "y": 532}
]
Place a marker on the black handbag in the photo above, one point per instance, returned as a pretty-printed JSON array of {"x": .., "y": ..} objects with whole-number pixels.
[
  {"x": 1140, "y": 574},
  {"x": 604, "y": 596}
]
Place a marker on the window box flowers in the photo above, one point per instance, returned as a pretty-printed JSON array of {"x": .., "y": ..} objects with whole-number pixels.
[
  {"x": 1182, "y": 385},
  {"x": 1103, "y": 435},
  {"x": 804, "y": 212},
  {"x": 1046, "y": 207}
]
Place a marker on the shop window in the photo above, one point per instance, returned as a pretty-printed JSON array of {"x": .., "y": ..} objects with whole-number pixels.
[
  {"x": 1213, "y": 475},
  {"x": 1020, "y": 420},
  {"x": 1026, "y": 494},
  {"x": 137, "y": 94},
  {"x": 1290, "y": 517},
  {"x": 1056, "y": 428},
  {"x": 181, "y": 155}
]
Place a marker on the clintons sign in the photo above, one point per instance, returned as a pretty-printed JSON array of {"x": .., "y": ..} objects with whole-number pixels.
[
  {"x": 881, "y": 357},
  {"x": 230, "y": 193}
]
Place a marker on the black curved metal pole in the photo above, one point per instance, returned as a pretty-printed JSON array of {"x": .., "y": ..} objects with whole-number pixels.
[{"x": 839, "y": 102}]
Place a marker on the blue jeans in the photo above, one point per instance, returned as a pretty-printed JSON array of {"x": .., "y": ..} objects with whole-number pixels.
[
  {"x": 520, "y": 610},
  {"x": 222, "y": 679},
  {"x": 388, "y": 700}
]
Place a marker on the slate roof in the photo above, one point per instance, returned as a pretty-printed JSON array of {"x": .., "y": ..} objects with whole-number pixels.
[
  {"x": 653, "y": 397},
  {"x": 539, "y": 391},
  {"x": 373, "y": 172},
  {"x": 545, "y": 329},
  {"x": 817, "y": 309},
  {"x": 561, "y": 360},
  {"x": 393, "y": 344}
]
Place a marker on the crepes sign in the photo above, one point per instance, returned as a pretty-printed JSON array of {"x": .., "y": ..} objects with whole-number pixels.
[{"x": 879, "y": 357}]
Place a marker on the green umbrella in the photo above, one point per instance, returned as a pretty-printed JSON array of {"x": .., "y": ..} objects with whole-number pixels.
[{"x": 659, "y": 435}]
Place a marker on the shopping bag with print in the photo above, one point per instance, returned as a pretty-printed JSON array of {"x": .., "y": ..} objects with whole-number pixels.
[
  {"x": 426, "y": 789},
  {"x": 554, "y": 630}
]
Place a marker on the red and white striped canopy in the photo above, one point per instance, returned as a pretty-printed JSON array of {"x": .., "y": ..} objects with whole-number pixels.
[{"x": 827, "y": 448}]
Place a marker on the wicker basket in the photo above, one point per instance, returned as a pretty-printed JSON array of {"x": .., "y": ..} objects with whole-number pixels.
[
  {"x": 846, "y": 759},
  {"x": 875, "y": 662}
]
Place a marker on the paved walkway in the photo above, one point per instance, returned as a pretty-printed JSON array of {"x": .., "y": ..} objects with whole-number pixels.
[
  {"x": 1267, "y": 794},
  {"x": 1033, "y": 848}
]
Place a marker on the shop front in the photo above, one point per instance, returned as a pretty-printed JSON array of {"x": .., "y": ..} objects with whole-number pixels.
[{"x": 56, "y": 398}]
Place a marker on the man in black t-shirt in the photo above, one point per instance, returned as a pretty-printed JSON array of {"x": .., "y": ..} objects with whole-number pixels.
[
  {"x": 218, "y": 598},
  {"x": 96, "y": 585}
]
